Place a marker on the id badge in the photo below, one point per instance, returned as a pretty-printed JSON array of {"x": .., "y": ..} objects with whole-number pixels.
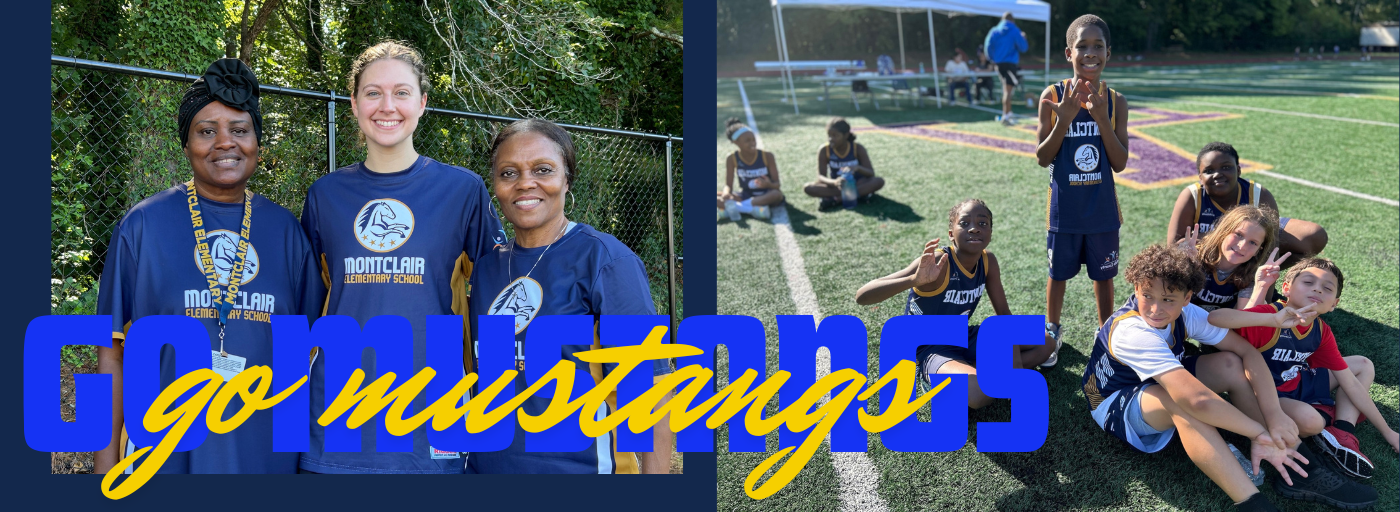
[{"x": 228, "y": 366}]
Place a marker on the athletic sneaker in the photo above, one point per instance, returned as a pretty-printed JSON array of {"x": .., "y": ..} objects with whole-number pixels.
[
  {"x": 1324, "y": 485},
  {"x": 828, "y": 202},
  {"x": 761, "y": 212},
  {"x": 1256, "y": 478},
  {"x": 1343, "y": 448},
  {"x": 1256, "y": 503},
  {"x": 1053, "y": 331}
]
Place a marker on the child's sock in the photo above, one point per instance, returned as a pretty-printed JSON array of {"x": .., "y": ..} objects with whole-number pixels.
[
  {"x": 1345, "y": 426},
  {"x": 746, "y": 206}
]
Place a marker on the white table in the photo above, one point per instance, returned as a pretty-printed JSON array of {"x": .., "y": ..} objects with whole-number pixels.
[
  {"x": 809, "y": 65},
  {"x": 917, "y": 78}
]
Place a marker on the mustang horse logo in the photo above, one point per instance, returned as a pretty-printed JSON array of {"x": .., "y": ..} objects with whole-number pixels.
[
  {"x": 520, "y": 299},
  {"x": 223, "y": 249},
  {"x": 383, "y": 225}
]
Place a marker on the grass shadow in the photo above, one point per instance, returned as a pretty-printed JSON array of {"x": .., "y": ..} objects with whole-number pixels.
[{"x": 884, "y": 208}]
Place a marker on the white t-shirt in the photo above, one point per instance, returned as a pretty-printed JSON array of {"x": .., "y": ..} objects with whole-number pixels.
[
  {"x": 1144, "y": 348},
  {"x": 953, "y": 67}
]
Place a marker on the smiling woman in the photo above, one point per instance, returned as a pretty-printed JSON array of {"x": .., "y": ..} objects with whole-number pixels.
[
  {"x": 557, "y": 267},
  {"x": 180, "y": 252},
  {"x": 435, "y": 219}
]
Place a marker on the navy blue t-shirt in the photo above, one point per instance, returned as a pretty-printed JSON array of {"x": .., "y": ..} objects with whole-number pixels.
[
  {"x": 400, "y": 243},
  {"x": 152, "y": 268},
  {"x": 1082, "y": 199},
  {"x": 585, "y": 272}
]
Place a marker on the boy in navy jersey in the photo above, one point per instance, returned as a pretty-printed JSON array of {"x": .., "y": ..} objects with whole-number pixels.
[
  {"x": 1083, "y": 138},
  {"x": 1141, "y": 388},
  {"x": 1307, "y": 366}
]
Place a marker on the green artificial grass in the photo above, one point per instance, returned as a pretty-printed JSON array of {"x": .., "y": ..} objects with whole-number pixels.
[{"x": 1079, "y": 467}]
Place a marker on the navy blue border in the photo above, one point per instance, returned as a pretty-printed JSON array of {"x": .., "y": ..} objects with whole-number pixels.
[{"x": 25, "y": 295}]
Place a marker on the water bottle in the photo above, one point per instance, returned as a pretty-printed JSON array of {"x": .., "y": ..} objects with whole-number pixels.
[
  {"x": 731, "y": 208},
  {"x": 848, "y": 188}
]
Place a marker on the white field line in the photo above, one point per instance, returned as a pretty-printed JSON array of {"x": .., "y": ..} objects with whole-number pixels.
[
  {"x": 1329, "y": 188},
  {"x": 748, "y": 112},
  {"x": 859, "y": 481},
  {"x": 1268, "y": 110}
]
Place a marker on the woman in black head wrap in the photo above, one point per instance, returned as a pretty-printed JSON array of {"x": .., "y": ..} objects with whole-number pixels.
[{"x": 211, "y": 250}]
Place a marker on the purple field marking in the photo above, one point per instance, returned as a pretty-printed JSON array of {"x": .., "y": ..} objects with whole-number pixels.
[{"x": 1154, "y": 163}]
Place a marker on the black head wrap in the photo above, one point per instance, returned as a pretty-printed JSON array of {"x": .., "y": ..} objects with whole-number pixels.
[{"x": 228, "y": 81}]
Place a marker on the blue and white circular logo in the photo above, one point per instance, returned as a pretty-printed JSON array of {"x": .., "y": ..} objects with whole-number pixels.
[
  {"x": 223, "y": 249},
  {"x": 1086, "y": 158},
  {"x": 521, "y": 299},
  {"x": 383, "y": 225}
]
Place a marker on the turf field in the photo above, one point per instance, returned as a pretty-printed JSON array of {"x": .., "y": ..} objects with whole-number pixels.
[{"x": 1329, "y": 123}]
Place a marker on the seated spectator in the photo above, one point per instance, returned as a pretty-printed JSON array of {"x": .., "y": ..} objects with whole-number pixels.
[
  {"x": 954, "y": 68},
  {"x": 984, "y": 83}
]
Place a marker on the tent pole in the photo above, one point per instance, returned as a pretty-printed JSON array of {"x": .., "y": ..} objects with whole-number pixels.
[
  {"x": 1047, "y": 45},
  {"x": 899, "y": 22},
  {"x": 782, "y": 78},
  {"x": 933, "y": 50},
  {"x": 782, "y": 35}
]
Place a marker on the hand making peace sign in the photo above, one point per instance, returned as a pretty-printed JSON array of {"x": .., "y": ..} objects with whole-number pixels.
[
  {"x": 1267, "y": 274},
  {"x": 1188, "y": 243}
]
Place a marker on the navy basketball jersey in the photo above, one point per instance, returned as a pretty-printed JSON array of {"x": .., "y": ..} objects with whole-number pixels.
[
  {"x": 1287, "y": 354},
  {"x": 585, "y": 272},
  {"x": 1105, "y": 374},
  {"x": 751, "y": 170},
  {"x": 1208, "y": 211},
  {"x": 1081, "y": 198},
  {"x": 400, "y": 243},
  {"x": 835, "y": 162},
  {"x": 153, "y": 268},
  {"x": 1217, "y": 293},
  {"x": 958, "y": 293}
]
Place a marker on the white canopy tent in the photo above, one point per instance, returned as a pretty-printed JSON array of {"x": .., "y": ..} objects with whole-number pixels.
[{"x": 1027, "y": 10}]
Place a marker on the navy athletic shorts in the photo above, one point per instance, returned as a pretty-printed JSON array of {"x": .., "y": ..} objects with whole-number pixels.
[{"x": 1067, "y": 251}]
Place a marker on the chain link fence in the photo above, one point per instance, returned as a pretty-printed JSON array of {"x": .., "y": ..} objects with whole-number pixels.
[{"x": 113, "y": 144}]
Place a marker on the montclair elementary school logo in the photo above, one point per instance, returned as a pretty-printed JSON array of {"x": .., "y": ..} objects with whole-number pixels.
[
  {"x": 520, "y": 299},
  {"x": 223, "y": 248},
  {"x": 1086, "y": 158},
  {"x": 383, "y": 225}
]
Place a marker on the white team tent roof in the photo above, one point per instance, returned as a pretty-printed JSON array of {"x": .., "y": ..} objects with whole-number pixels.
[{"x": 1028, "y": 10}]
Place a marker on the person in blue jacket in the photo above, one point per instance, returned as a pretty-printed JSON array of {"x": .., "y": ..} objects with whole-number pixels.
[{"x": 1005, "y": 43}]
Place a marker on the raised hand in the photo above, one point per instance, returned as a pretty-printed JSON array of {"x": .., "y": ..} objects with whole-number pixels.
[
  {"x": 1263, "y": 447},
  {"x": 1069, "y": 104},
  {"x": 1189, "y": 243},
  {"x": 1267, "y": 274},
  {"x": 1290, "y": 317},
  {"x": 930, "y": 264},
  {"x": 1097, "y": 104}
]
